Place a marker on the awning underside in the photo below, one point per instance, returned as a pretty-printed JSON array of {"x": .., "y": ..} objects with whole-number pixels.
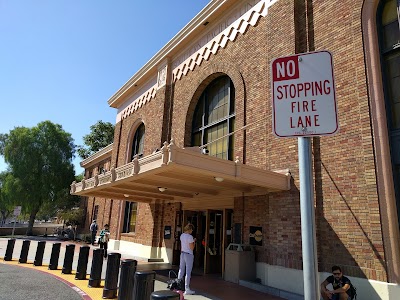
[{"x": 175, "y": 174}]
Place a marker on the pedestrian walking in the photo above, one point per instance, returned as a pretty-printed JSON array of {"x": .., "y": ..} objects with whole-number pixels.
[
  {"x": 103, "y": 239},
  {"x": 93, "y": 231}
]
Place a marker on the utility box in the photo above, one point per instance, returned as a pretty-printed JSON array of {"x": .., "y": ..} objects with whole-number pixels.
[{"x": 240, "y": 263}]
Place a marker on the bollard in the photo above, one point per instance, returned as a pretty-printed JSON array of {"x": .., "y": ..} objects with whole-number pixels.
[
  {"x": 144, "y": 285},
  {"x": 9, "y": 250},
  {"x": 55, "y": 254},
  {"x": 39, "y": 253},
  {"x": 68, "y": 259},
  {"x": 24, "y": 251},
  {"x": 82, "y": 263},
  {"x": 112, "y": 272},
  {"x": 163, "y": 295},
  {"x": 127, "y": 279},
  {"x": 97, "y": 266}
]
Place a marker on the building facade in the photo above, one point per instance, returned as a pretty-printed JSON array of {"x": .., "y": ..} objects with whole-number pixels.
[{"x": 193, "y": 143}]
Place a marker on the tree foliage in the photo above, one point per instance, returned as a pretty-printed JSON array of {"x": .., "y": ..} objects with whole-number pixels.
[
  {"x": 101, "y": 135},
  {"x": 73, "y": 216},
  {"x": 40, "y": 160},
  {"x": 10, "y": 189}
]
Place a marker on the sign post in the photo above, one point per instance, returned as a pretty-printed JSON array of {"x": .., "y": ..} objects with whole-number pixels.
[
  {"x": 17, "y": 212},
  {"x": 304, "y": 105}
]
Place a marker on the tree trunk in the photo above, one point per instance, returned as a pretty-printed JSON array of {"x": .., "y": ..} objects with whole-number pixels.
[{"x": 32, "y": 216}]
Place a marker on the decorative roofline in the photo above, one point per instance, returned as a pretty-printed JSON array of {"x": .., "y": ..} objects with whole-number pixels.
[
  {"x": 98, "y": 156},
  {"x": 191, "y": 32},
  {"x": 152, "y": 64}
]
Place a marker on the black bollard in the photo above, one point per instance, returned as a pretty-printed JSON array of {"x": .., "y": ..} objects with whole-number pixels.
[
  {"x": 144, "y": 285},
  {"x": 24, "y": 251},
  {"x": 9, "y": 250},
  {"x": 112, "y": 272},
  {"x": 82, "y": 263},
  {"x": 68, "y": 259},
  {"x": 163, "y": 295},
  {"x": 127, "y": 279},
  {"x": 55, "y": 254},
  {"x": 39, "y": 253},
  {"x": 97, "y": 266}
]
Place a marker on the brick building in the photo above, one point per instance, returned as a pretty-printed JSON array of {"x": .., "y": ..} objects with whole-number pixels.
[{"x": 193, "y": 143}]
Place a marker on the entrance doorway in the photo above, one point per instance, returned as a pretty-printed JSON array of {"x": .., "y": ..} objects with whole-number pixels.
[{"x": 213, "y": 233}]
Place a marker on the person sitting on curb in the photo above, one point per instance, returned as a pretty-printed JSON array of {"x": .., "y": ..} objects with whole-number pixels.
[{"x": 341, "y": 286}]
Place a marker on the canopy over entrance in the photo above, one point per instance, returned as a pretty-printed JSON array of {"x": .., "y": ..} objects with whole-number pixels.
[{"x": 182, "y": 175}]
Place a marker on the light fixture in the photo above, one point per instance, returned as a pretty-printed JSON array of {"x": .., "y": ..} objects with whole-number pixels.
[
  {"x": 162, "y": 189},
  {"x": 219, "y": 179},
  {"x": 126, "y": 195}
]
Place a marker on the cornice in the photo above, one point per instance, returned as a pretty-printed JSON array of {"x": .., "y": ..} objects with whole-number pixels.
[
  {"x": 116, "y": 100},
  {"x": 190, "y": 47},
  {"x": 98, "y": 156}
]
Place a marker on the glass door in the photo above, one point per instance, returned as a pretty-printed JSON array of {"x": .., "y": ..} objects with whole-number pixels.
[{"x": 214, "y": 246}]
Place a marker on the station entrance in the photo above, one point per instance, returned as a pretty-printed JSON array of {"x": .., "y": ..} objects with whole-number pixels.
[{"x": 213, "y": 233}]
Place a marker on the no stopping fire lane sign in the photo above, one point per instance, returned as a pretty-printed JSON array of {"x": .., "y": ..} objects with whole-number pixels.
[{"x": 303, "y": 95}]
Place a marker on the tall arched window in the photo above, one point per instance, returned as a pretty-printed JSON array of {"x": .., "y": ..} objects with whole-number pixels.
[
  {"x": 214, "y": 118},
  {"x": 389, "y": 35},
  {"x": 138, "y": 142}
]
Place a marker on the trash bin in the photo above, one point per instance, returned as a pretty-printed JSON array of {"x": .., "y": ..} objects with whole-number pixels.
[
  {"x": 144, "y": 285},
  {"x": 240, "y": 263}
]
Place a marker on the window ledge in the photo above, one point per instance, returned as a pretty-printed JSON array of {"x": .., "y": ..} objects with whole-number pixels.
[{"x": 129, "y": 234}]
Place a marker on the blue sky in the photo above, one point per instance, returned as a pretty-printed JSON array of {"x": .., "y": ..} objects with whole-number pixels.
[{"x": 61, "y": 60}]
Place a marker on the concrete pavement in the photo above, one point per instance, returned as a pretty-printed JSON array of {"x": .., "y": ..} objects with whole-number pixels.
[
  {"x": 205, "y": 287},
  {"x": 19, "y": 283}
]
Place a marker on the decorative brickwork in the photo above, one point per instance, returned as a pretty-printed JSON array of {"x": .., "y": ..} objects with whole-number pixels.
[{"x": 348, "y": 216}]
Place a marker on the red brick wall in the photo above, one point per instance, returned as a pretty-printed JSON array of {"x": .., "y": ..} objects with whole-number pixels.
[
  {"x": 347, "y": 211},
  {"x": 345, "y": 184}
]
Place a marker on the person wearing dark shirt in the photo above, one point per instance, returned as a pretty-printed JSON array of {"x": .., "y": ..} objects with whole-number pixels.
[
  {"x": 104, "y": 238},
  {"x": 93, "y": 230},
  {"x": 341, "y": 286}
]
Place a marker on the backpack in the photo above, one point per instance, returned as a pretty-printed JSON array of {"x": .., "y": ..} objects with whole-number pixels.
[{"x": 352, "y": 292}]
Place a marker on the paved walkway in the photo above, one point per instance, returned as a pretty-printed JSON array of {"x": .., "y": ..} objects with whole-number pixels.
[{"x": 206, "y": 287}]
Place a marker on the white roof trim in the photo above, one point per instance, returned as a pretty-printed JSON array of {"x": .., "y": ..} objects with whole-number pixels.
[
  {"x": 197, "y": 21},
  {"x": 98, "y": 156}
]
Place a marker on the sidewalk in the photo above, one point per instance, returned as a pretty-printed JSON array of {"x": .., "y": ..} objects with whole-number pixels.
[{"x": 206, "y": 287}]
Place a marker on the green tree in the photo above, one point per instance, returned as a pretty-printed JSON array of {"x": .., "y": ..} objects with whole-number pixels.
[
  {"x": 101, "y": 135},
  {"x": 9, "y": 190},
  {"x": 64, "y": 205},
  {"x": 40, "y": 159}
]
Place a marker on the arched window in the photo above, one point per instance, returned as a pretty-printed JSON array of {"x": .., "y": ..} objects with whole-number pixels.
[
  {"x": 389, "y": 35},
  {"x": 214, "y": 118},
  {"x": 138, "y": 142}
]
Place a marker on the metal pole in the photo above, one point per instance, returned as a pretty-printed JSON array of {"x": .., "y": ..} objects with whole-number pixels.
[
  {"x": 12, "y": 234},
  {"x": 308, "y": 235}
]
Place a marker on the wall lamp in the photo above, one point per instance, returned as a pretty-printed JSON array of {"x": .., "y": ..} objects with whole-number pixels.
[
  {"x": 162, "y": 189},
  {"x": 126, "y": 195},
  {"x": 219, "y": 179}
]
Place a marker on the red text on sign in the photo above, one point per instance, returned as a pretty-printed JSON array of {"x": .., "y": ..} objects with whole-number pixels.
[
  {"x": 303, "y": 106},
  {"x": 304, "y": 121},
  {"x": 303, "y": 89}
]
